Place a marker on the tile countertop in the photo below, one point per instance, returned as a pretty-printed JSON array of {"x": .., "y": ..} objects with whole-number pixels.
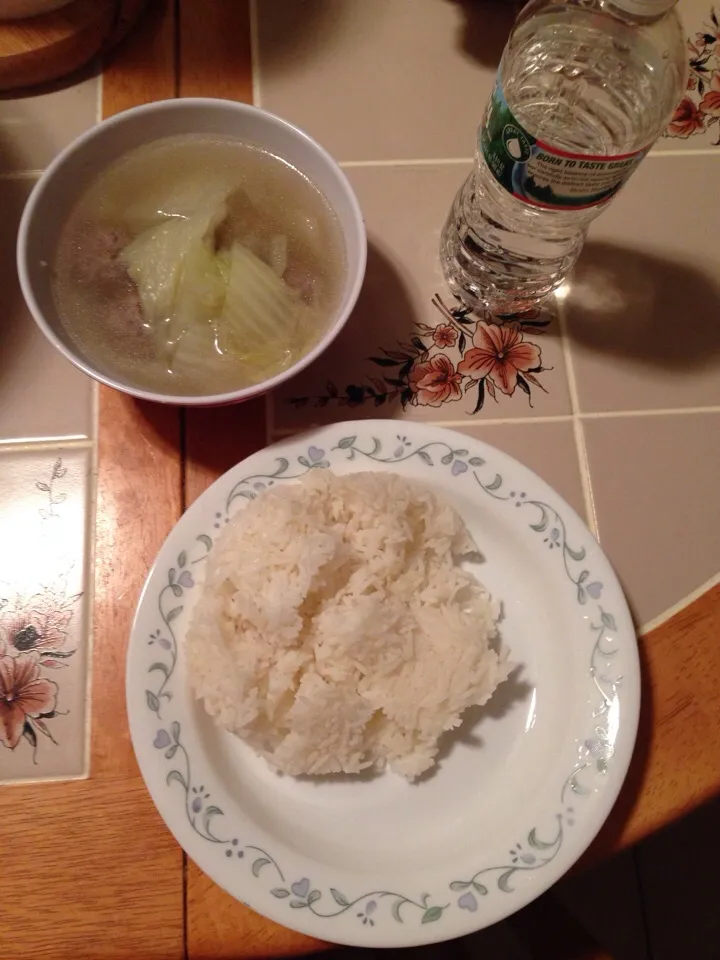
[{"x": 622, "y": 418}]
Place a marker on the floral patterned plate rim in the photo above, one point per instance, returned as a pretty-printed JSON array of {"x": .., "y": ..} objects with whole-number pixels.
[{"x": 521, "y": 788}]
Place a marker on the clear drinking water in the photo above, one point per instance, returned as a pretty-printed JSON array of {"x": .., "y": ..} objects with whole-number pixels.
[{"x": 583, "y": 90}]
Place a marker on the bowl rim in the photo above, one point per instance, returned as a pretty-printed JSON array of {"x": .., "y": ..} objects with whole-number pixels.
[{"x": 202, "y": 400}]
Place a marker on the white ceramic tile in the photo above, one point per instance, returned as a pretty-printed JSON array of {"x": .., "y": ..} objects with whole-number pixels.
[
  {"x": 654, "y": 481},
  {"x": 33, "y": 129},
  {"x": 42, "y": 395},
  {"x": 43, "y": 612},
  {"x": 382, "y": 79}
]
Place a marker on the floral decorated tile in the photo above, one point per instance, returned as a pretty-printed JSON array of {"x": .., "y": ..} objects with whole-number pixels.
[
  {"x": 43, "y": 620},
  {"x": 695, "y": 124},
  {"x": 410, "y": 350}
]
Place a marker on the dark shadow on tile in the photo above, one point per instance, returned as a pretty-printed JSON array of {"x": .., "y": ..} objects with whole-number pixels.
[
  {"x": 296, "y": 31},
  {"x": 12, "y": 162},
  {"x": 85, "y": 72},
  {"x": 336, "y": 387},
  {"x": 658, "y": 312},
  {"x": 485, "y": 28},
  {"x": 12, "y": 200}
]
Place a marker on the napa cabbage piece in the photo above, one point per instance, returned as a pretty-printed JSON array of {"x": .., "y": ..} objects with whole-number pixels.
[
  {"x": 175, "y": 197},
  {"x": 178, "y": 278},
  {"x": 197, "y": 357},
  {"x": 261, "y": 315},
  {"x": 206, "y": 306}
]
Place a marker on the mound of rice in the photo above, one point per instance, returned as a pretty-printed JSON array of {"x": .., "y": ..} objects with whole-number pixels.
[{"x": 335, "y": 630}]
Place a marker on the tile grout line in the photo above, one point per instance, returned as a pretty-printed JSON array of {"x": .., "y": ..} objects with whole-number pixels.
[
  {"x": 283, "y": 432},
  {"x": 33, "y": 781},
  {"x": 255, "y": 69},
  {"x": 579, "y": 434},
  {"x": 25, "y": 444},
  {"x": 500, "y": 421},
  {"x": 254, "y": 52},
  {"x": 506, "y": 421},
  {"x": 661, "y": 618},
  {"x": 99, "y": 104},
  {"x": 351, "y": 164},
  {"x": 270, "y": 431},
  {"x": 182, "y": 445},
  {"x": 662, "y": 411},
  {"x": 33, "y": 174},
  {"x": 407, "y": 162},
  {"x": 91, "y": 511},
  {"x": 698, "y": 152},
  {"x": 457, "y": 161},
  {"x": 585, "y": 480}
]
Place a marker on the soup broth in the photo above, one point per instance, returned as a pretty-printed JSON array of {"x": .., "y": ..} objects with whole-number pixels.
[{"x": 197, "y": 265}]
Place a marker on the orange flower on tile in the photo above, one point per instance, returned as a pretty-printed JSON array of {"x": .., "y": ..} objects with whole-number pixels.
[
  {"x": 710, "y": 103},
  {"x": 686, "y": 120},
  {"x": 500, "y": 353},
  {"x": 24, "y": 695},
  {"x": 444, "y": 335},
  {"x": 39, "y": 622},
  {"x": 435, "y": 381}
]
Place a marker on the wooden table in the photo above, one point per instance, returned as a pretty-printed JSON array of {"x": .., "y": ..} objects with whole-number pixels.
[{"x": 89, "y": 869}]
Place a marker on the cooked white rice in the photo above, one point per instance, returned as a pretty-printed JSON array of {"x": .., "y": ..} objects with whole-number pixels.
[{"x": 336, "y": 631}]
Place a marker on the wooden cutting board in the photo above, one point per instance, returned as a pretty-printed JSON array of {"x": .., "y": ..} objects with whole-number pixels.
[{"x": 52, "y": 45}]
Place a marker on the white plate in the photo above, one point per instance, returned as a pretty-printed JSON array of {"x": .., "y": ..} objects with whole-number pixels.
[{"x": 522, "y": 786}]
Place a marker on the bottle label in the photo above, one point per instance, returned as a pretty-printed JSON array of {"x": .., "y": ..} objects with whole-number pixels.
[{"x": 544, "y": 176}]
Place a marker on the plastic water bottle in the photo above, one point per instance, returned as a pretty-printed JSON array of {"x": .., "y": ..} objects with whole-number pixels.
[{"x": 584, "y": 89}]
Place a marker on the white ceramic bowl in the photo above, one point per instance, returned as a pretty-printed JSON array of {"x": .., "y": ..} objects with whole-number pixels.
[{"x": 64, "y": 181}]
